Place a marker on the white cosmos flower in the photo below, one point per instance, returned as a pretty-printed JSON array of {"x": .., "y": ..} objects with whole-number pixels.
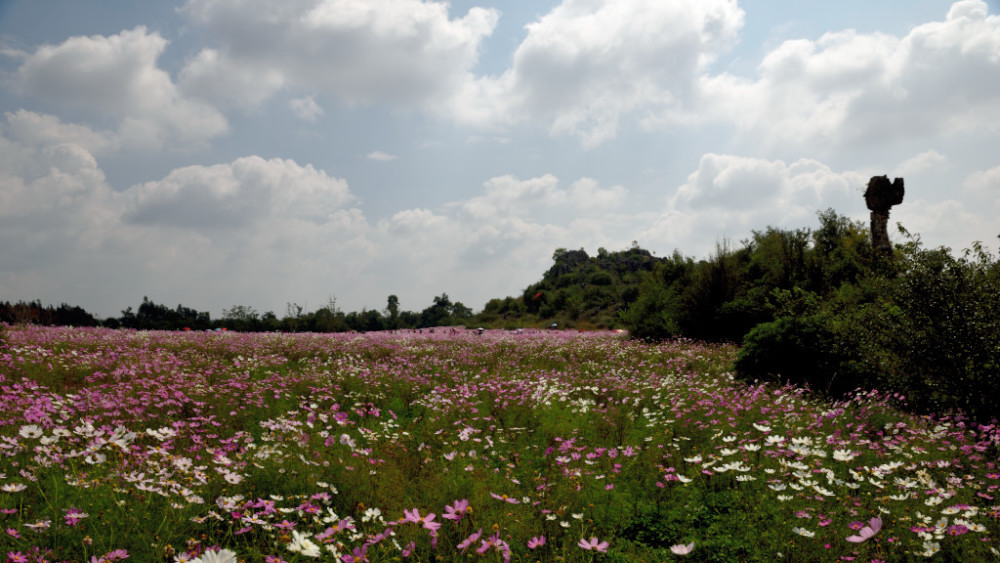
[
  {"x": 31, "y": 431},
  {"x": 221, "y": 556},
  {"x": 843, "y": 455},
  {"x": 822, "y": 491},
  {"x": 804, "y": 532},
  {"x": 930, "y": 549},
  {"x": 303, "y": 545}
]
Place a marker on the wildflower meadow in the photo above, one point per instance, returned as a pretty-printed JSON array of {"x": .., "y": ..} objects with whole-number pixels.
[{"x": 453, "y": 445}]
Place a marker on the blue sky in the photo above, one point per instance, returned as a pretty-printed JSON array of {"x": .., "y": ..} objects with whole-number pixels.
[{"x": 246, "y": 152}]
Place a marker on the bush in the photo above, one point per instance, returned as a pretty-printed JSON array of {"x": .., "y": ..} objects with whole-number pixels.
[
  {"x": 799, "y": 350},
  {"x": 940, "y": 326},
  {"x": 924, "y": 326}
]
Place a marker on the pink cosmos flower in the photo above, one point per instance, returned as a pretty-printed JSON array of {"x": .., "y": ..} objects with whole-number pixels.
[
  {"x": 467, "y": 542},
  {"x": 16, "y": 557},
  {"x": 874, "y": 525},
  {"x": 457, "y": 510},
  {"x": 536, "y": 542},
  {"x": 956, "y": 530},
  {"x": 429, "y": 524},
  {"x": 360, "y": 554},
  {"x": 408, "y": 550},
  {"x": 593, "y": 544},
  {"x": 681, "y": 549},
  {"x": 505, "y": 498}
]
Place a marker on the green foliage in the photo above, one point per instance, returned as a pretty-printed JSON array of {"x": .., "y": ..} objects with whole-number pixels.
[
  {"x": 35, "y": 313},
  {"x": 922, "y": 324},
  {"x": 797, "y": 350},
  {"x": 932, "y": 331}
]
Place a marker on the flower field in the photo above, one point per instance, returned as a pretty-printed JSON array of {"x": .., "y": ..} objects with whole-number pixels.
[{"x": 537, "y": 446}]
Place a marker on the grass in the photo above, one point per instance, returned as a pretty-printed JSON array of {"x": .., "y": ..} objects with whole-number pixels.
[{"x": 170, "y": 446}]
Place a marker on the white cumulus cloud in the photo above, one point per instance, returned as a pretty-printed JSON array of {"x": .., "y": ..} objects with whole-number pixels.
[
  {"x": 402, "y": 52},
  {"x": 117, "y": 76}
]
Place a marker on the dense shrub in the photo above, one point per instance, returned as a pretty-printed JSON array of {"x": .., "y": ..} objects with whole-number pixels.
[
  {"x": 923, "y": 325},
  {"x": 799, "y": 350},
  {"x": 938, "y": 333}
]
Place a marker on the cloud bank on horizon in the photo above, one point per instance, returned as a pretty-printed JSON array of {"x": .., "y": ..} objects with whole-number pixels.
[{"x": 259, "y": 153}]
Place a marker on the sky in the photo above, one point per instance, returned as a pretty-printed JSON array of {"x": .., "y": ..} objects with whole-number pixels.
[{"x": 214, "y": 153}]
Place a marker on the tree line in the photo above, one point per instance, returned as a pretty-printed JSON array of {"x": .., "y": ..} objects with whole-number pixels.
[{"x": 150, "y": 315}]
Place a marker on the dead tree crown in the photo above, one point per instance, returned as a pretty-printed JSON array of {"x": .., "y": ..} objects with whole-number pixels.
[{"x": 880, "y": 196}]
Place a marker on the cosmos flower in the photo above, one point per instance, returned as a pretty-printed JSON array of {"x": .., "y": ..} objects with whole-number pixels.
[
  {"x": 505, "y": 498},
  {"x": 593, "y": 544},
  {"x": 681, "y": 549},
  {"x": 220, "y": 556},
  {"x": 30, "y": 431},
  {"x": 457, "y": 510},
  {"x": 874, "y": 525}
]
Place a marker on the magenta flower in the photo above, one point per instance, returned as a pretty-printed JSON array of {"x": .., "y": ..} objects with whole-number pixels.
[
  {"x": 593, "y": 544},
  {"x": 428, "y": 522},
  {"x": 408, "y": 550},
  {"x": 956, "y": 530},
  {"x": 536, "y": 542},
  {"x": 505, "y": 498},
  {"x": 467, "y": 542},
  {"x": 457, "y": 510},
  {"x": 411, "y": 516},
  {"x": 359, "y": 555},
  {"x": 425, "y": 521},
  {"x": 681, "y": 549},
  {"x": 874, "y": 525}
]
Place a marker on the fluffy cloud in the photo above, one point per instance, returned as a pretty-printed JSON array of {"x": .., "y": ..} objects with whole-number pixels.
[
  {"x": 247, "y": 192},
  {"x": 921, "y": 164},
  {"x": 403, "y": 52},
  {"x": 729, "y": 196},
  {"x": 585, "y": 65},
  {"x": 117, "y": 77},
  {"x": 849, "y": 88},
  {"x": 510, "y": 196}
]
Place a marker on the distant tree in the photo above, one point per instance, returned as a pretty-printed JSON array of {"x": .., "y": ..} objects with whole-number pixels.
[
  {"x": 392, "y": 312},
  {"x": 437, "y": 314},
  {"x": 293, "y": 316},
  {"x": 241, "y": 317}
]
